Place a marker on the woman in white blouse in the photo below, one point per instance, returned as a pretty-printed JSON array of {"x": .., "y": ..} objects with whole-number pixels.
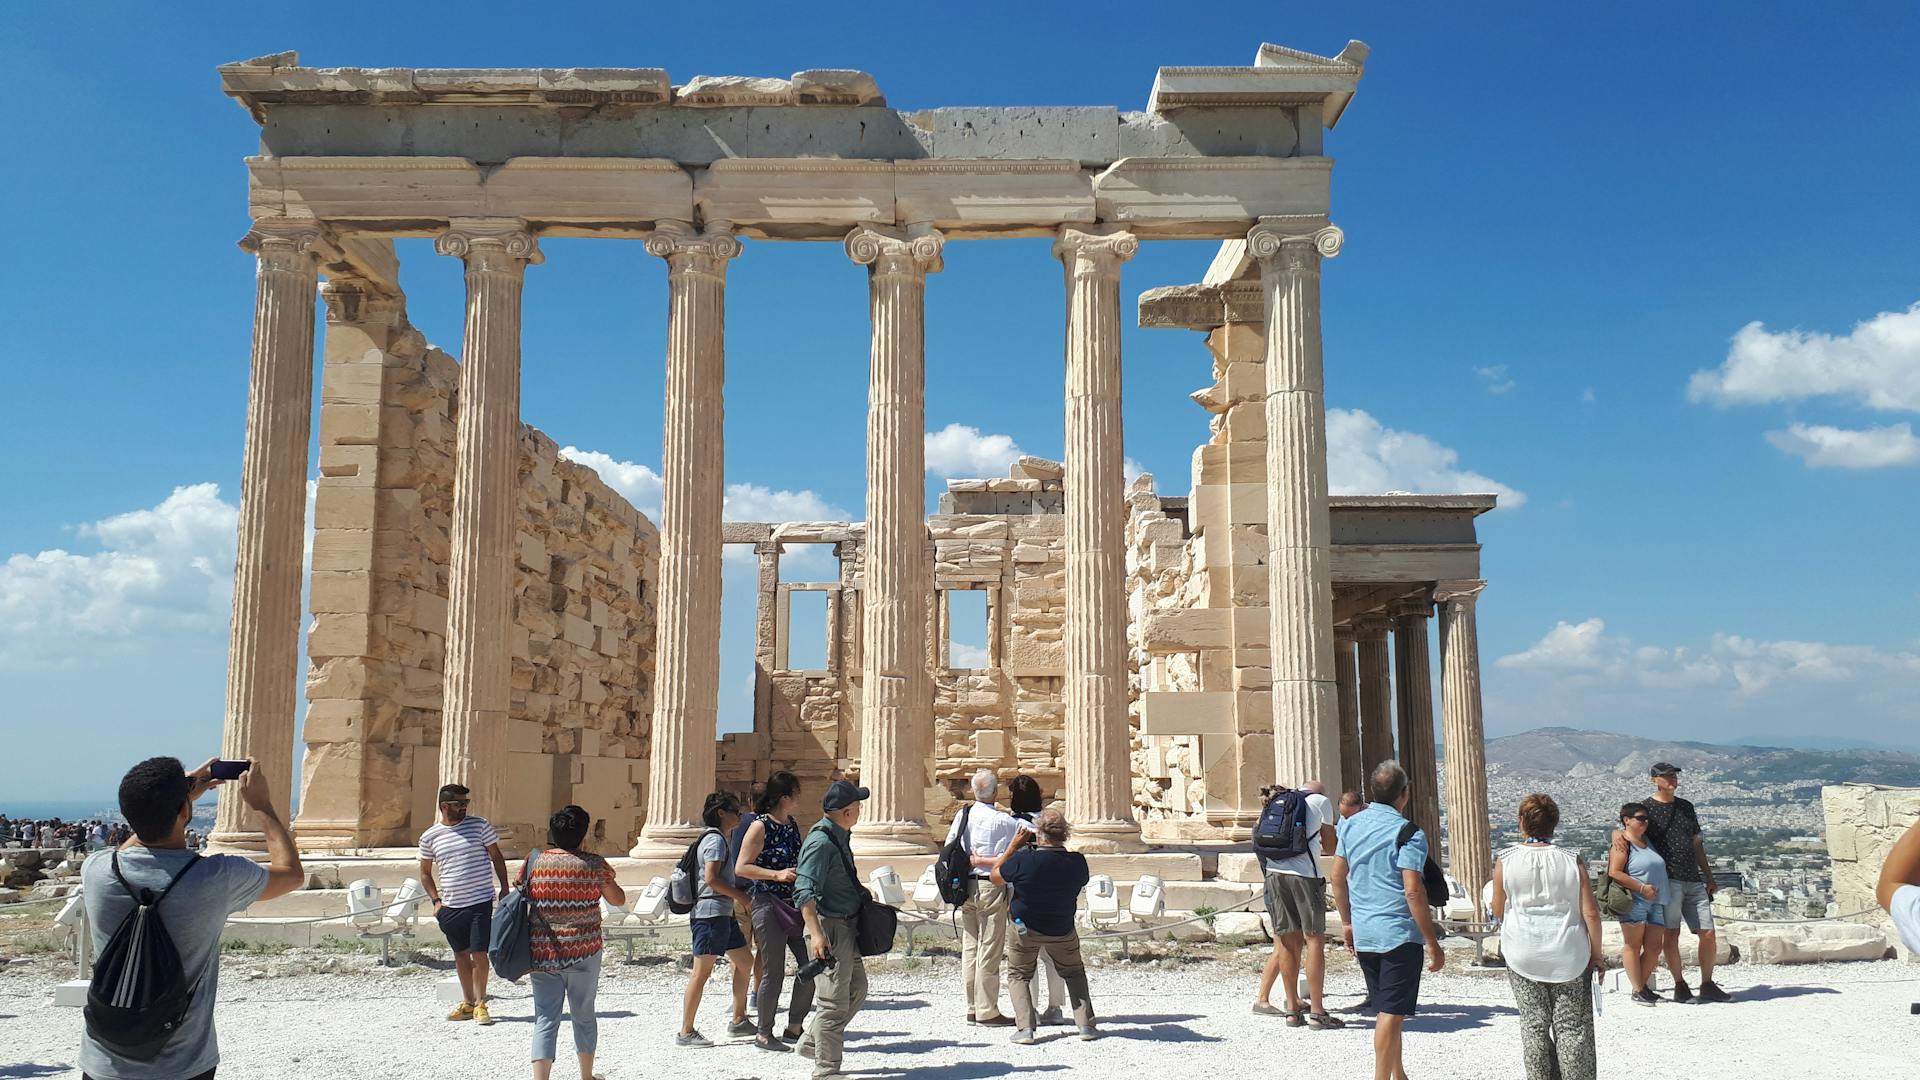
[{"x": 1550, "y": 940}]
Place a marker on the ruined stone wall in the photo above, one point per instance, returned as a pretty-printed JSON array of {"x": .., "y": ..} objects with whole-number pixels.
[
  {"x": 1863, "y": 822},
  {"x": 585, "y": 576}
]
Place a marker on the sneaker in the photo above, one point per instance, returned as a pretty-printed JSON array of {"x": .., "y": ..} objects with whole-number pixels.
[
  {"x": 1681, "y": 995},
  {"x": 1710, "y": 991},
  {"x": 1024, "y": 1037},
  {"x": 1053, "y": 1017},
  {"x": 693, "y": 1039},
  {"x": 481, "y": 1016},
  {"x": 1645, "y": 997},
  {"x": 771, "y": 1044},
  {"x": 997, "y": 1021},
  {"x": 1088, "y": 1033},
  {"x": 463, "y": 1012},
  {"x": 742, "y": 1027}
]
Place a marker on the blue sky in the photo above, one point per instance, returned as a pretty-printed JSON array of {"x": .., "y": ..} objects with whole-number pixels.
[{"x": 1557, "y": 219}]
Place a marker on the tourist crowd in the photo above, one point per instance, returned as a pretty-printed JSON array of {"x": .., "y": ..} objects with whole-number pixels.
[
  {"x": 75, "y": 836},
  {"x": 764, "y": 891}
]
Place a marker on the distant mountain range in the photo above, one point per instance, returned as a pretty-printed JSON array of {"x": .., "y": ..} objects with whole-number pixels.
[{"x": 1578, "y": 753}]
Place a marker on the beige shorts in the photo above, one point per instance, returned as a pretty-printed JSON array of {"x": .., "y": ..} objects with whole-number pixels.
[{"x": 1297, "y": 905}]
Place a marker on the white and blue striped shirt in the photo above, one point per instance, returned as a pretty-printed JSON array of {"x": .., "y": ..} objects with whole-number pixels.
[{"x": 461, "y": 866}]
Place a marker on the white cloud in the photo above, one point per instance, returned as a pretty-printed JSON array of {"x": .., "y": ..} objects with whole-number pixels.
[
  {"x": 1584, "y": 656},
  {"x": 751, "y": 502},
  {"x": 966, "y": 656},
  {"x": 1364, "y": 457},
  {"x": 1823, "y": 447},
  {"x": 960, "y": 451},
  {"x": 1496, "y": 378},
  {"x": 638, "y": 484},
  {"x": 1877, "y": 365},
  {"x": 1587, "y": 396},
  {"x": 1133, "y": 470},
  {"x": 167, "y": 569}
]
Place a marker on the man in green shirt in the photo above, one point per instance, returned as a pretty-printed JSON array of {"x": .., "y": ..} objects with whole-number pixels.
[{"x": 829, "y": 897}]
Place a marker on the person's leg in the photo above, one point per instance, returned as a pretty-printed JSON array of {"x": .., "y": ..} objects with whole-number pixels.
[
  {"x": 1268, "y": 973},
  {"x": 772, "y": 959},
  {"x": 1655, "y": 943},
  {"x": 696, "y": 984},
  {"x": 583, "y": 988},
  {"x": 1315, "y": 960},
  {"x": 1574, "y": 1057},
  {"x": 802, "y": 997},
  {"x": 1633, "y": 938},
  {"x": 741, "y": 960},
  {"x": 1056, "y": 986},
  {"x": 1536, "y": 1019},
  {"x": 836, "y": 997},
  {"x": 1065, "y": 952},
  {"x": 480, "y": 971},
  {"x": 1023, "y": 956},
  {"x": 1288, "y": 946},
  {"x": 1709, "y": 942},
  {"x": 549, "y": 996},
  {"x": 463, "y": 970},
  {"x": 1675, "y": 966},
  {"x": 993, "y": 949},
  {"x": 971, "y": 921},
  {"x": 1386, "y": 1047}
]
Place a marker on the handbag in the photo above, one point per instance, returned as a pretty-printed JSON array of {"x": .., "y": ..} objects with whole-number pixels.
[
  {"x": 1613, "y": 897},
  {"x": 785, "y": 915},
  {"x": 875, "y": 923},
  {"x": 510, "y": 950}
]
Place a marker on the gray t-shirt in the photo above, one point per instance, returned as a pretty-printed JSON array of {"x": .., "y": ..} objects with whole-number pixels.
[
  {"x": 193, "y": 915},
  {"x": 713, "y": 848}
]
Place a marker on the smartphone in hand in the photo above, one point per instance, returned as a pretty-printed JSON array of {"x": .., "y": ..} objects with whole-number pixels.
[{"x": 227, "y": 770}]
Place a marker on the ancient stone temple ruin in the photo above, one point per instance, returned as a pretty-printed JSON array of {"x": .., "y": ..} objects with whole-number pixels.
[{"x": 486, "y": 612}]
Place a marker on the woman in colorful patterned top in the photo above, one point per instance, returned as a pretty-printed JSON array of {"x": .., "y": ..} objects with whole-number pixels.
[
  {"x": 567, "y": 886},
  {"x": 766, "y": 861}
]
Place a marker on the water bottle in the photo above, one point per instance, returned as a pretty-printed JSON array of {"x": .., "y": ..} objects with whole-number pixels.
[{"x": 1019, "y": 926}]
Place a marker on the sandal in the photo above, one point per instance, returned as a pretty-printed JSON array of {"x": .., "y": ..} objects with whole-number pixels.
[
  {"x": 1296, "y": 1018},
  {"x": 1325, "y": 1021}
]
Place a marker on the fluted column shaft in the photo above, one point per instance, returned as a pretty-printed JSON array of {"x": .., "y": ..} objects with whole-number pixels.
[
  {"x": 1469, "y": 854},
  {"x": 1376, "y": 691},
  {"x": 680, "y": 766},
  {"x": 1306, "y": 718},
  {"x": 486, "y": 467},
  {"x": 1098, "y": 781},
  {"x": 263, "y": 651},
  {"x": 1346, "y": 673},
  {"x": 1413, "y": 683},
  {"x": 897, "y": 690}
]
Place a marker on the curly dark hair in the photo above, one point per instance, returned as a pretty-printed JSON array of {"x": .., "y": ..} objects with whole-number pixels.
[{"x": 151, "y": 795}]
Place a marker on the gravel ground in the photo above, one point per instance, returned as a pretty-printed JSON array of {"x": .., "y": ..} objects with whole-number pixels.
[{"x": 1836, "y": 1022}]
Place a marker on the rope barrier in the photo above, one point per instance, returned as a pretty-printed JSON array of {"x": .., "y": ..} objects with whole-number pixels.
[{"x": 1791, "y": 922}]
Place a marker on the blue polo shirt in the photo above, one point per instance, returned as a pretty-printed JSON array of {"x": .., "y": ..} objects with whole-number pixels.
[{"x": 1376, "y": 895}]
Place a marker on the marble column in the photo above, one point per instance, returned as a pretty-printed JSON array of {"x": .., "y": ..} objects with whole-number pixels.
[
  {"x": 766, "y": 629},
  {"x": 896, "y": 707},
  {"x": 1098, "y": 739},
  {"x": 1469, "y": 849},
  {"x": 486, "y": 472},
  {"x": 1376, "y": 690},
  {"x": 1306, "y": 713},
  {"x": 264, "y": 673},
  {"x": 1346, "y": 671},
  {"x": 681, "y": 760},
  {"x": 1413, "y": 683}
]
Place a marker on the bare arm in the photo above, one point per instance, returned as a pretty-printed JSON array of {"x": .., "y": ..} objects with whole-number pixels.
[
  {"x": 610, "y": 890},
  {"x": 426, "y": 880},
  {"x": 1706, "y": 868},
  {"x": 1901, "y": 868},
  {"x": 499, "y": 867},
  {"x": 1499, "y": 909},
  {"x": 719, "y": 884},
  {"x": 1617, "y": 867},
  {"x": 1337, "y": 882},
  {"x": 1589, "y": 914},
  {"x": 994, "y": 865},
  {"x": 284, "y": 872},
  {"x": 1416, "y": 890}
]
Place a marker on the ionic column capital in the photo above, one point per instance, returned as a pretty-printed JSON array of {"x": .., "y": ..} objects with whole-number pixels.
[
  {"x": 1294, "y": 241},
  {"x": 286, "y": 244},
  {"x": 914, "y": 251},
  {"x": 694, "y": 251},
  {"x": 1371, "y": 627},
  {"x": 490, "y": 244},
  {"x": 1462, "y": 593},
  {"x": 1413, "y": 607},
  {"x": 1094, "y": 251}
]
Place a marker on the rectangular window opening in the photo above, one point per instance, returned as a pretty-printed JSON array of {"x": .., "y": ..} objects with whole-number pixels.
[
  {"x": 806, "y": 630},
  {"x": 967, "y": 629}
]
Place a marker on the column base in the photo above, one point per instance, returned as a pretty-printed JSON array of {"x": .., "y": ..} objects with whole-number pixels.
[
  {"x": 1107, "y": 837},
  {"x": 882, "y": 838},
  {"x": 237, "y": 843},
  {"x": 665, "y": 841}
]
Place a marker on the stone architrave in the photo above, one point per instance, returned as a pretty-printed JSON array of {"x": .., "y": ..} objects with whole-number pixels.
[
  {"x": 1376, "y": 690},
  {"x": 478, "y": 693},
  {"x": 1353, "y": 774},
  {"x": 1306, "y": 712},
  {"x": 1469, "y": 849},
  {"x": 1413, "y": 685},
  {"x": 897, "y": 696},
  {"x": 1098, "y": 740},
  {"x": 687, "y": 681},
  {"x": 263, "y": 662}
]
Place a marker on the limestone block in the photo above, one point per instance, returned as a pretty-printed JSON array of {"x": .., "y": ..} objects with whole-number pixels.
[
  {"x": 1231, "y": 190},
  {"x": 523, "y": 737},
  {"x": 344, "y": 506},
  {"x": 344, "y": 424},
  {"x": 352, "y": 466},
  {"x": 1809, "y": 944},
  {"x": 1240, "y": 928},
  {"x": 341, "y": 591},
  {"x": 339, "y": 635},
  {"x": 1037, "y": 468}
]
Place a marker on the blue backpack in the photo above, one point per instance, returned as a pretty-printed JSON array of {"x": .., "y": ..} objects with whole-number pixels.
[
  {"x": 510, "y": 950},
  {"x": 1282, "y": 831}
]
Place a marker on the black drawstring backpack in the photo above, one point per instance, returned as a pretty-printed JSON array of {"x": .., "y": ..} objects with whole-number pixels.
[{"x": 139, "y": 994}]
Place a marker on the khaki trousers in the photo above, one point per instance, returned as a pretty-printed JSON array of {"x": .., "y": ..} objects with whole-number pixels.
[
  {"x": 1023, "y": 957},
  {"x": 842, "y": 989},
  {"x": 983, "y": 943}
]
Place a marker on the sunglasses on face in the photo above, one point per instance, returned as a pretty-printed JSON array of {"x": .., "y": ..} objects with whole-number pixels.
[
  {"x": 1639, "y": 817},
  {"x": 456, "y": 802}
]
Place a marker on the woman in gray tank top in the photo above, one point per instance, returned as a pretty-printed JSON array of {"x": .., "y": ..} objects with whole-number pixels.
[{"x": 1634, "y": 863}]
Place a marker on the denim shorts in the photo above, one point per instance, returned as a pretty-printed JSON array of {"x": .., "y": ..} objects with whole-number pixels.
[
  {"x": 1645, "y": 911},
  {"x": 716, "y": 935}
]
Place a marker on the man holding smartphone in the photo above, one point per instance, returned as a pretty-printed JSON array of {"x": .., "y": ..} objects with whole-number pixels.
[{"x": 454, "y": 855}]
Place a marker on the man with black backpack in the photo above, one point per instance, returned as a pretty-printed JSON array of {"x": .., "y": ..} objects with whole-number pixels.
[
  {"x": 1294, "y": 833},
  {"x": 980, "y": 834},
  {"x": 156, "y": 910}
]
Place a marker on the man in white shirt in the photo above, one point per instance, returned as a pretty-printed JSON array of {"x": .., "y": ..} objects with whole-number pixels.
[
  {"x": 1899, "y": 890},
  {"x": 983, "y": 918},
  {"x": 1297, "y": 905}
]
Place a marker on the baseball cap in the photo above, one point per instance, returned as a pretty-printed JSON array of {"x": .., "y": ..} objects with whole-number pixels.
[
  {"x": 1661, "y": 768},
  {"x": 842, "y": 794}
]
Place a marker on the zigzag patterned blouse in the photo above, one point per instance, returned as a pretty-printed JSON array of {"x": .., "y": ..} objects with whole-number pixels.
[{"x": 566, "y": 888}]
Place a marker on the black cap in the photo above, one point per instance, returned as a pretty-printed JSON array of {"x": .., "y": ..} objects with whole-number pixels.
[
  {"x": 842, "y": 794},
  {"x": 1661, "y": 768}
]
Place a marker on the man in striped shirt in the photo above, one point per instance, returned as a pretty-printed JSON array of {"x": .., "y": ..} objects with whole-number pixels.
[{"x": 454, "y": 856}]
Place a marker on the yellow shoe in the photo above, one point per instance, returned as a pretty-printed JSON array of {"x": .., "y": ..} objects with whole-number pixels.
[
  {"x": 481, "y": 1015},
  {"x": 463, "y": 1012}
]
